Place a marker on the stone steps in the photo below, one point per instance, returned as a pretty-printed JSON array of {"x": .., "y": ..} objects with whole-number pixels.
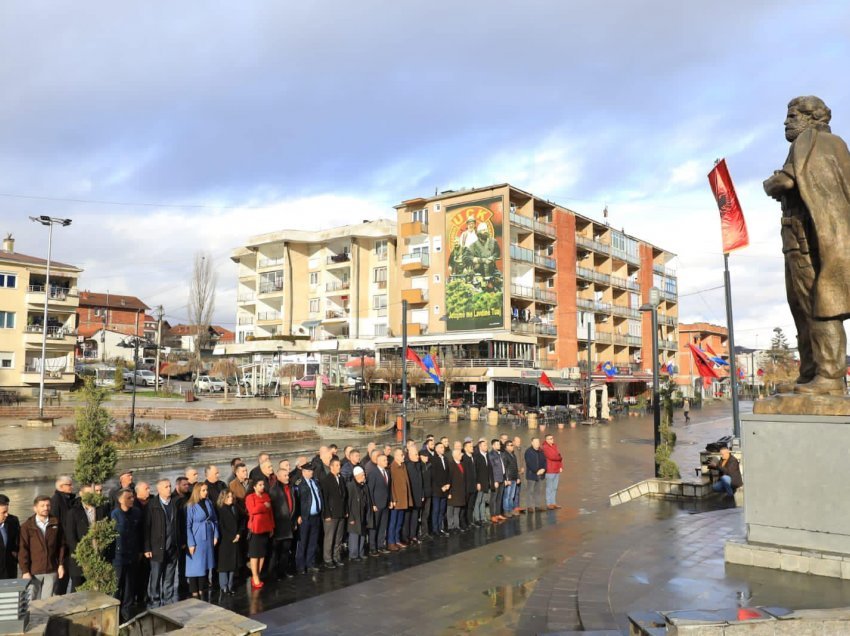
[
  {"x": 153, "y": 413},
  {"x": 26, "y": 455}
]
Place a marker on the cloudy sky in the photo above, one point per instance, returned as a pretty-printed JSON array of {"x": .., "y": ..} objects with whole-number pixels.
[{"x": 164, "y": 128}]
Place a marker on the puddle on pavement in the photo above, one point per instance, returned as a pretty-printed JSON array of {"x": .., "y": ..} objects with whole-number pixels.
[{"x": 505, "y": 604}]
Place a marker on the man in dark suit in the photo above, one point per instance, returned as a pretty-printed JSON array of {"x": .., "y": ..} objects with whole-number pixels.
[
  {"x": 482, "y": 483},
  {"x": 470, "y": 484},
  {"x": 285, "y": 507},
  {"x": 61, "y": 502},
  {"x": 309, "y": 521},
  {"x": 439, "y": 488},
  {"x": 214, "y": 485},
  {"x": 161, "y": 541},
  {"x": 257, "y": 471},
  {"x": 10, "y": 532},
  {"x": 378, "y": 483},
  {"x": 77, "y": 523},
  {"x": 334, "y": 495}
]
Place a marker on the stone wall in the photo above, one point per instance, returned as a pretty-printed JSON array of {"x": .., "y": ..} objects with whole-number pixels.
[
  {"x": 227, "y": 441},
  {"x": 69, "y": 451}
]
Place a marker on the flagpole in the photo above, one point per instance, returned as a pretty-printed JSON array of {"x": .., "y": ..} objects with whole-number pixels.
[
  {"x": 733, "y": 366},
  {"x": 404, "y": 372}
]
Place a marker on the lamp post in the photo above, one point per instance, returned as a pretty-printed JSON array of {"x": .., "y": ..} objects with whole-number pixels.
[
  {"x": 135, "y": 347},
  {"x": 280, "y": 369},
  {"x": 49, "y": 221},
  {"x": 652, "y": 308},
  {"x": 362, "y": 355}
]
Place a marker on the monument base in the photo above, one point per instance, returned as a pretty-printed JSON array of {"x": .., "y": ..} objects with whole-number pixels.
[
  {"x": 796, "y": 509},
  {"x": 40, "y": 422},
  {"x": 802, "y": 403}
]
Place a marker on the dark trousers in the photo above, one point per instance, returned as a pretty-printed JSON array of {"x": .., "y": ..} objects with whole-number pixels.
[
  {"x": 126, "y": 576},
  {"x": 162, "y": 587},
  {"x": 496, "y": 495},
  {"x": 425, "y": 518},
  {"x": 308, "y": 541},
  {"x": 280, "y": 559},
  {"x": 61, "y": 587},
  {"x": 378, "y": 534},
  {"x": 356, "y": 545},
  {"x": 334, "y": 529},
  {"x": 438, "y": 513},
  {"x": 411, "y": 524}
]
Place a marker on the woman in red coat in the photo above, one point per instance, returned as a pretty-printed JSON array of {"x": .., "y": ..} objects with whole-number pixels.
[{"x": 260, "y": 528}]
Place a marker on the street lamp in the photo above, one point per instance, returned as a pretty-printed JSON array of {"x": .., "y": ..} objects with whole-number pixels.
[
  {"x": 49, "y": 221},
  {"x": 362, "y": 354},
  {"x": 652, "y": 308},
  {"x": 135, "y": 347},
  {"x": 280, "y": 368}
]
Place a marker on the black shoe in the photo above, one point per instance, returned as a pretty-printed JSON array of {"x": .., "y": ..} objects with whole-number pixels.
[
  {"x": 314, "y": 569},
  {"x": 304, "y": 571},
  {"x": 443, "y": 533},
  {"x": 330, "y": 566},
  {"x": 374, "y": 553},
  {"x": 384, "y": 551}
]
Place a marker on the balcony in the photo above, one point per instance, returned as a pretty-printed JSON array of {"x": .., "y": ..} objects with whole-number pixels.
[
  {"x": 592, "y": 275},
  {"x": 593, "y": 245},
  {"x": 417, "y": 329},
  {"x": 337, "y": 286},
  {"x": 246, "y": 298},
  {"x": 520, "y": 291},
  {"x": 603, "y": 337},
  {"x": 663, "y": 271},
  {"x": 584, "y": 303},
  {"x": 670, "y": 321},
  {"x": 338, "y": 260},
  {"x": 335, "y": 315},
  {"x": 620, "y": 340},
  {"x": 669, "y": 345},
  {"x": 269, "y": 262},
  {"x": 545, "y": 296},
  {"x": 32, "y": 375},
  {"x": 540, "y": 260},
  {"x": 414, "y": 228},
  {"x": 414, "y": 296},
  {"x": 57, "y": 296},
  {"x": 593, "y": 305},
  {"x": 634, "y": 341},
  {"x": 245, "y": 320},
  {"x": 534, "y": 329},
  {"x": 626, "y": 257},
  {"x": 522, "y": 221},
  {"x": 625, "y": 312},
  {"x": 542, "y": 227},
  {"x": 669, "y": 296},
  {"x": 55, "y": 335},
  {"x": 269, "y": 316},
  {"x": 271, "y": 288},
  {"x": 415, "y": 261},
  {"x": 522, "y": 254}
]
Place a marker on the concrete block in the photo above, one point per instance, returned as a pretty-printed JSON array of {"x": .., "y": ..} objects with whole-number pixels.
[
  {"x": 845, "y": 570},
  {"x": 676, "y": 489},
  {"x": 766, "y": 559},
  {"x": 644, "y": 488},
  {"x": 796, "y": 628},
  {"x": 689, "y": 490},
  {"x": 794, "y": 563},
  {"x": 634, "y": 492},
  {"x": 625, "y": 497},
  {"x": 738, "y": 553},
  {"x": 653, "y": 486},
  {"x": 614, "y": 500},
  {"x": 820, "y": 566},
  {"x": 750, "y": 628}
]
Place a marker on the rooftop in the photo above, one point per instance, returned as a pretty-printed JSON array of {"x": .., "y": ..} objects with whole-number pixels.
[
  {"x": 112, "y": 301},
  {"x": 23, "y": 259}
]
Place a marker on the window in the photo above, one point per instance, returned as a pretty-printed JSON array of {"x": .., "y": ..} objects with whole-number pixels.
[
  {"x": 7, "y": 319},
  {"x": 314, "y": 305},
  {"x": 7, "y": 360},
  {"x": 381, "y": 250},
  {"x": 379, "y": 275},
  {"x": 380, "y": 330},
  {"x": 421, "y": 216},
  {"x": 379, "y": 302},
  {"x": 314, "y": 279},
  {"x": 8, "y": 280},
  {"x": 550, "y": 283},
  {"x": 551, "y": 347}
]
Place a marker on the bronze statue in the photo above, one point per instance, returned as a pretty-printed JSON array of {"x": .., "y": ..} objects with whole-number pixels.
[{"x": 814, "y": 189}]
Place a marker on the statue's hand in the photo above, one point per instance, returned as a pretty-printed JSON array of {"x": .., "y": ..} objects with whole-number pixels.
[{"x": 778, "y": 184}]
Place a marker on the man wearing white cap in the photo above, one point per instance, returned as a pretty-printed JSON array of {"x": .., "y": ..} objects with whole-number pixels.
[{"x": 359, "y": 510}]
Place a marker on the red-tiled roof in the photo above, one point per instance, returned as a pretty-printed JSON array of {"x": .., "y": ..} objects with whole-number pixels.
[
  {"x": 14, "y": 257},
  {"x": 113, "y": 301}
]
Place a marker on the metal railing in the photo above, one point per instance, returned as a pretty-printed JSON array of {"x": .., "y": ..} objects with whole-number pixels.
[
  {"x": 53, "y": 333},
  {"x": 541, "y": 260},
  {"x": 337, "y": 259},
  {"x": 584, "y": 303},
  {"x": 270, "y": 288},
  {"x": 269, "y": 315},
  {"x": 543, "y": 227},
  {"x": 338, "y": 285},
  {"x": 534, "y": 328},
  {"x": 671, "y": 296},
  {"x": 245, "y": 320},
  {"x": 332, "y": 314},
  {"x": 634, "y": 341},
  {"x": 522, "y": 221},
  {"x": 56, "y": 293},
  {"x": 270, "y": 262},
  {"x": 670, "y": 321},
  {"x": 589, "y": 274},
  {"x": 668, "y": 344},
  {"x": 593, "y": 244},
  {"x": 603, "y": 337},
  {"x": 246, "y": 298},
  {"x": 623, "y": 255},
  {"x": 544, "y": 295},
  {"x": 522, "y": 291},
  {"x": 421, "y": 258}
]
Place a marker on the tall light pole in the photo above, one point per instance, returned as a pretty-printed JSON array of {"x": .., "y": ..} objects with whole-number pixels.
[
  {"x": 135, "y": 348},
  {"x": 652, "y": 307},
  {"x": 404, "y": 372},
  {"x": 49, "y": 221}
]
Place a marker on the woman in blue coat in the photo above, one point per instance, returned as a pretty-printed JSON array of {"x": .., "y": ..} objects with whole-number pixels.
[{"x": 201, "y": 538}]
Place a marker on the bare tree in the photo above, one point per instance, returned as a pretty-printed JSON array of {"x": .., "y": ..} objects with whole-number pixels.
[{"x": 202, "y": 301}]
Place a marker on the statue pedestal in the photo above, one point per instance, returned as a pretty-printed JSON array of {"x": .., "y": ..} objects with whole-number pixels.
[{"x": 796, "y": 508}]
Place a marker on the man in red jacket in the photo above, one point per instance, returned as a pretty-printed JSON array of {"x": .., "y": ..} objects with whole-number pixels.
[{"x": 554, "y": 468}]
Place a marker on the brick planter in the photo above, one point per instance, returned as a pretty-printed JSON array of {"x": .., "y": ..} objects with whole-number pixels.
[{"x": 69, "y": 451}]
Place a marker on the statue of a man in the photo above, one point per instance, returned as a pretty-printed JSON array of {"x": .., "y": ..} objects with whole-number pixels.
[{"x": 814, "y": 189}]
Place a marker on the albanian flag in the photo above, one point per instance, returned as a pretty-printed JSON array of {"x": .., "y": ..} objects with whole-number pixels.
[
  {"x": 545, "y": 381},
  {"x": 703, "y": 364},
  {"x": 732, "y": 223}
]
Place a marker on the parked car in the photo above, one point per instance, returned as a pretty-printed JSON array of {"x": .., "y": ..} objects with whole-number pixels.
[
  {"x": 144, "y": 378},
  {"x": 210, "y": 384},
  {"x": 308, "y": 382}
]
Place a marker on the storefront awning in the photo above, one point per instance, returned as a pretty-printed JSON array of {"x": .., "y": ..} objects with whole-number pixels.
[{"x": 560, "y": 384}]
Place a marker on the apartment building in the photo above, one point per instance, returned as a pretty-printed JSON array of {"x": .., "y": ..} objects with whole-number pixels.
[
  {"x": 714, "y": 340},
  {"x": 502, "y": 284},
  {"x": 104, "y": 321},
  {"x": 23, "y": 285},
  {"x": 303, "y": 291}
]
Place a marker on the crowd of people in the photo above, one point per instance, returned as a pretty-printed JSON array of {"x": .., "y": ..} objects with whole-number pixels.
[{"x": 270, "y": 524}]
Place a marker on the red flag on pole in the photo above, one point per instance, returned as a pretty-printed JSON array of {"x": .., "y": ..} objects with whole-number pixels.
[
  {"x": 732, "y": 223},
  {"x": 410, "y": 354},
  {"x": 704, "y": 366},
  {"x": 545, "y": 381}
]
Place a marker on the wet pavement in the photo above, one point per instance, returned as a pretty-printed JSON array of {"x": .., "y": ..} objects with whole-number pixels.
[{"x": 584, "y": 566}]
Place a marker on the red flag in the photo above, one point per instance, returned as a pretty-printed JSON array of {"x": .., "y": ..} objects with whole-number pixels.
[
  {"x": 732, "y": 224},
  {"x": 704, "y": 366},
  {"x": 760, "y": 372},
  {"x": 545, "y": 381},
  {"x": 410, "y": 354}
]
